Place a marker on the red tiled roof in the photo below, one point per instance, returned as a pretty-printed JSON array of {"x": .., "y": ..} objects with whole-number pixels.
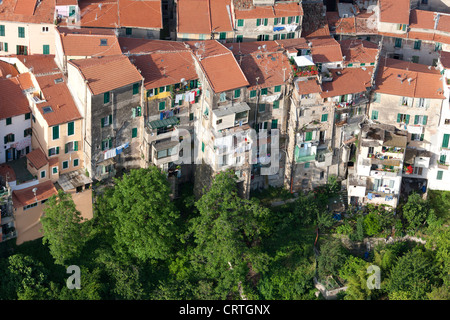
[
  {"x": 25, "y": 7},
  {"x": 123, "y": 13},
  {"x": 309, "y": 86},
  {"x": 421, "y": 19},
  {"x": 40, "y": 63},
  {"x": 252, "y": 47},
  {"x": 445, "y": 59},
  {"x": 12, "y": 101},
  {"x": 135, "y": 45},
  {"x": 203, "y": 16},
  {"x": 444, "y": 23},
  {"x": 341, "y": 25},
  {"x": 7, "y": 173},
  {"x": 394, "y": 11},
  {"x": 165, "y": 68},
  {"x": 393, "y": 75},
  {"x": 86, "y": 42},
  {"x": 293, "y": 44},
  {"x": 37, "y": 158},
  {"x": 359, "y": 51},
  {"x": 220, "y": 66},
  {"x": 7, "y": 69},
  {"x": 325, "y": 49},
  {"x": 42, "y": 13},
  {"x": 25, "y": 81},
  {"x": 26, "y": 196},
  {"x": 66, "y": 2},
  {"x": 276, "y": 11},
  {"x": 107, "y": 73},
  {"x": 350, "y": 81}
]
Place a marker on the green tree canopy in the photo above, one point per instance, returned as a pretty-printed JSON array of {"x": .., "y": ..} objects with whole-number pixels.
[
  {"x": 415, "y": 210},
  {"x": 63, "y": 228}
]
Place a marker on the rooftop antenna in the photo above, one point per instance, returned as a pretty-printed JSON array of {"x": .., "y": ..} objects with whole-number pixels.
[
  {"x": 409, "y": 80},
  {"x": 34, "y": 191}
]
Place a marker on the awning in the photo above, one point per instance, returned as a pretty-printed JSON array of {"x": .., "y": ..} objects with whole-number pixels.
[
  {"x": 74, "y": 179},
  {"x": 303, "y": 61},
  {"x": 230, "y": 109},
  {"x": 156, "y": 124}
]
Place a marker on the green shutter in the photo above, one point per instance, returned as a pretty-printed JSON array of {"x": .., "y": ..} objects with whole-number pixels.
[
  {"x": 399, "y": 117},
  {"x": 324, "y": 117},
  {"x": 5, "y": 46},
  {"x": 57, "y": 150},
  {"x": 425, "y": 119},
  {"x": 276, "y": 21},
  {"x": 110, "y": 143},
  {"x": 274, "y": 124},
  {"x": 162, "y": 105},
  {"x": 75, "y": 162},
  {"x": 276, "y": 104},
  {"x": 136, "y": 88},
  {"x": 277, "y": 89},
  {"x": 55, "y": 132},
  {"x": 239, "y": 38},
  {"x": 21, "y": 31},
  {"x": 70, "y": 128},
  {"x": 445, "y": 140},
  {"x": 283, "y": 20},
  {"x": 442, "y": 158},
  {"x": 266, "y": 22},
  {"x": 106, "y": 97},
  {"x": 416, "y": 119},
  {"x": 66, "y": 148},
  {"x": 240, "y": 23},
  {"x": 134, "y": 133},
  {"x": 2, "y": 30},
  {"x": 374, "y": 115},
  {"x": 258, "y": 22},
  {"x": 297, "y": 19},
  {"x": 439, "y": 175},
  {"x": 407, "y": 119},
  {"x": 252, "y": 93},
  {"x": 46, "y": 49},
  {"x": 308, "y": 136},
  {"x": 102, "y": 122},
  {"x": 237, "y": 93},
  {"x": 75, "y": 146}
]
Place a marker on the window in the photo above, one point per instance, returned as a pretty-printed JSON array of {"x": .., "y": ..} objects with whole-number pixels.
[
  {"x": 43, "y": 174},
  {"x": 53, "y": 151},
  {"x": 223, "y": 97},
  {"x": 22, "y": 50},
  {"x": 440, "y": 173},
  {"x": 274, "y": 124},
  {"x": 404, "y": 118},
  {"x": 162, "y": 106},
  {"x": 324, "y": 117},
  {"x": 276, "y": 21},
  {"x": 307, "y": 165},
  {"x": 55, "y": 131},
  {"x": 445, "y": 140},
  {"x": 106, "y": 144},
  {"x": 32, "y": 205},
  {"x": 136, "y": 88},
  {"x": 9, "y": 138},
  {"x": 27, "y": 116},
  {"x": 258, "y": 22},
  {"x": 438, "y": 46},
  {"x": 223, "y": 36},
  {"x": 237, "y": 93},
  {"x": 191, "y": 117},
  {"x": 277, "y": 89},
  {"x": 415, "y": 59},
  {"x": 128, "y": 31},
  {"x": 70, "y": 128},
  {"x": 442, "y": 158},
  {"x": 27, "y": 132},
  {"x": 106, "y": 97},
  {"x": 264, "y": 91},
  {"x": 417, "y": 137},
  {"x": 65, "y": 164},
  {"x": 71, "y": 146},
  {"x": 417, "y": 44},
  {"x": 203, "y": 147},
  {"x": 240, "y": 23},
  {"x": 308, "y": 136},
  {"x": 106, "y": 121},
  {"x": 398, "y": 43},
  {"x": 239, "y": 38},
  {"x": 374, "y": 115},
  {"x": 276, "y": 104},
  {"x": 5, "y": 46},
  {"x": 283, "y": 20},
  {"x": 297, "y": 19},
  {"x": 76, "y": 162},
  {"x": 8, "y": 121},
  {"x": 2, "y": 30},
  {"x": 405, "y": 101},
  {"x": 46, "y": 49},
  {"x": 252, "y": 93},
  {"x": 289, "y": 20},
  {"x": 54, "y": 170},
  {"x": 276, "y": 36},
  {"x": 103, "y": 42},
  {"x": 21, "y": 32},
  {"x": 447, "y": 121},
  {"x": 262, "y": 107},
  {"x": 420, "y": 119},
  {"x": 134, "y": 133}
]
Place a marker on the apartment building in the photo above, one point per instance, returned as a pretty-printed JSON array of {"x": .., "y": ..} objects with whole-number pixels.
[
  {"x": 27, "y": 27},
  {"x": 377, "y": 175},
  {"x": 137, "y": 19},
  {"x": 108, "y": 91},
  {"x": 83, "y": 43},
  {"x": 410, "y": 96},
  {"x": 15, "y": 115}
]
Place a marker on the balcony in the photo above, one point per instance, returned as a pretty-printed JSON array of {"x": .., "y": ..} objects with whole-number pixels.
[{"x": 442, "y": 165}]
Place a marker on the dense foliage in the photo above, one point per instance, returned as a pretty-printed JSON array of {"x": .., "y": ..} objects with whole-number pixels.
[{"x": 142, "y": 245}]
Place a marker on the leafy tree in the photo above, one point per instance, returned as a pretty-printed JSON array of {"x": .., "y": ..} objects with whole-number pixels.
[
  {"x": 63, "y": 228},
  {"x": 415, "y": 210},
  {"x": 354, "y": 272},
  {"x": 359, "y": 233},
  {"x": 372, "y": 224},
  {"x": 225, "y": 231},
  {"x": 413, "y": 276},
  {"x": 92, "y": 288},
  {"x": 331, "y": 259},
  {"x": 142, "y": 215}
]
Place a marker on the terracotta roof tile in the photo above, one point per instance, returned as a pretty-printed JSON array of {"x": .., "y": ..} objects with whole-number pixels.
[
  {"x": 308, "y": 86},
  {"x": 252, "y": 47},
  {"x": 7, "y": 69},
  {"x": 220, "y": 66},
  {"x": 107, "y": 73},
  {"x": 26, "y": 196},
  {"x": 12, "y": 101},
  {"x": 7, "y": 173},
  {"x": 165, "y": 68},
  {"x": 42, "y": 13},
  {"x": 37, "y": 158},
  {"x": 66, "y": 2},
  {"x": 350, "y": 81},
  {"x": 325, "y": 49},
  {"x": 25, "y": 81},
  {"x": 421, "y": 19},
  {"x": 292, "y": 45},
  {"x": 393, "y": 75},
  {"x": 134, "y": 45},
  {"x": 394, "y": 11},
  {"x": 39, "y": 63},
  {"x": 444, "y": 23},
  {"x": 359, "y": 51},
  {"x": 341, "y": 25},
  {"x": 87, "y": 42},
  {"x": 278, "y": 10},
  {"x": 123, "y": 13},
  {"x": 445, "y": 59}
]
